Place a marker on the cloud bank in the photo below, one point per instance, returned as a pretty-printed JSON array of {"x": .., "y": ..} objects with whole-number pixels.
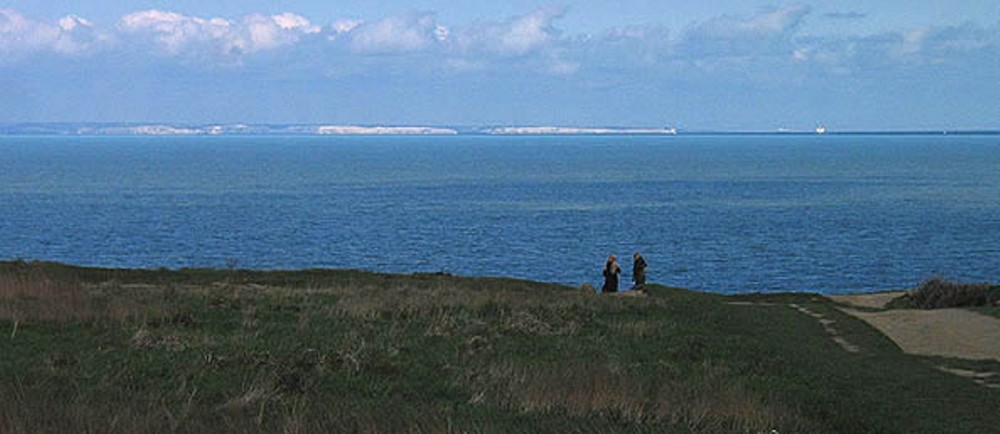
[
  {"x": 173, "y": 34},
  {"x": 399, "y": 34},
  {"x": 71, "y": 35},
  {"x": 525, "y": 67},
  {"x": 762, "y": 37}
]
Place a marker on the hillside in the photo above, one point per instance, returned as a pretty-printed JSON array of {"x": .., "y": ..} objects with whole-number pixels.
[{"x": 105, "y": 350}]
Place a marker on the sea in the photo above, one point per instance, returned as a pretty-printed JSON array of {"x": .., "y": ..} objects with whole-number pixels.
[{"x": 726, "y": 213}]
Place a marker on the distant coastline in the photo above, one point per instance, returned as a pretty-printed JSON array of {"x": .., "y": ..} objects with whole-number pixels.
[
  {"x": 180, "y": 129},
  {"x": 577, "y": 131}
]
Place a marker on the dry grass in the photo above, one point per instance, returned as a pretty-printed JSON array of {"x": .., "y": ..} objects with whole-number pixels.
[
  {"x": 635, "y": 328},
  {"x": 37, "y": 298},
  {"x": 407, "y": 300},
  {"x": 241, "y": 351},
  {"x": 29, "y": 295},
  {"x": 710, "y": 400}
]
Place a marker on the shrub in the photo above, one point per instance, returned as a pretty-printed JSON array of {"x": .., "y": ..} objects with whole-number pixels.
[
  {"x": 937, "y": 293},
  {"x": 993, "y": 296}
]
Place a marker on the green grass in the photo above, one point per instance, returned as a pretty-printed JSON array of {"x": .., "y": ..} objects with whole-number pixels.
[
  {"x": 99, "y": 350},
  {"x": 992, "y": 311}
]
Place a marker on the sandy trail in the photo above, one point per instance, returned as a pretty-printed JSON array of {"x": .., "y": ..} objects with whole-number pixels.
[
  {"x": 955, "y": 333},
  {"x": 942, "y": 332},
  {"x": 875, "y": 300}
]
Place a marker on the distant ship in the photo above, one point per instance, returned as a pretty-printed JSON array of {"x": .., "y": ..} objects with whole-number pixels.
[{"x": 820, "y": 130}]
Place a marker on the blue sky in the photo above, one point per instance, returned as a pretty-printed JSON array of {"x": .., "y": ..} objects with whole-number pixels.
[{"x": 707, "y": 65}]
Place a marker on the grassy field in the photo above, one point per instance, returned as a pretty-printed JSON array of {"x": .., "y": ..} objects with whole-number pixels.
[{"x": 100, "y": 350}]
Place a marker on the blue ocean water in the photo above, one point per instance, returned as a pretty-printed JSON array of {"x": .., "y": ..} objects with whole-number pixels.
[{"x": 728, "y": 213}]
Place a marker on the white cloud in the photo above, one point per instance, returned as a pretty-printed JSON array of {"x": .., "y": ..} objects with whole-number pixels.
[
  {"x": 526, "y": 33},
  {"x": 516, "y": 37},
  {"x": 735, "y": 46},
  {"x": 71, "y": 35},
  {"x": 396, "y": 34},
  {"x": 344, "y": 26},
  {"x": 528, "y": 41},
  {"x": 177, "y": 34},
  {"x": 72, "y": 22},
  {"x": 290, "y": 21},
  {"x": 267, "y": 32},
  {"x": 17, "y": 33},
  {"x": 78, "y": 35},
  {"x": 174, "y": 32}
]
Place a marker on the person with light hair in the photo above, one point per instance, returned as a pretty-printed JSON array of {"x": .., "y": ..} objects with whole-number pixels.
[{"x": 611, "y": 272}]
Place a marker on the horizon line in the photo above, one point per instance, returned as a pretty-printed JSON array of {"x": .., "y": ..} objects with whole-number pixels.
[{"x": 126, "y": 128}]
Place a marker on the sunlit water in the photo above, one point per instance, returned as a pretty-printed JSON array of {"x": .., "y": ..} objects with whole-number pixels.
[{"x": 722, "y": 213}]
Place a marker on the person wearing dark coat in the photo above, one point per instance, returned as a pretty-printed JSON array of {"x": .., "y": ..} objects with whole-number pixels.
[
  {"x": 639, "y": 271},
  {"x": 611, "y": 272}
]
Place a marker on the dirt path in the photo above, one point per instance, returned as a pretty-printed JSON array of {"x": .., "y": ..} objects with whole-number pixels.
[
  {"x": 955, "y": 333},
  {"x": 828, "y": 326},
  {"x": 875, "y": 300}
]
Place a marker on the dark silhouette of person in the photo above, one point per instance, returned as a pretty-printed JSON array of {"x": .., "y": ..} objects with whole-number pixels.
[
  {"x": 639, "y": 272},
  {"x": 611, "y": 272}
]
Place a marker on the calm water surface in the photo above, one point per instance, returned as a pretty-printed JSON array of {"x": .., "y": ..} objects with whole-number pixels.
[{"x": 722, "y": 213}]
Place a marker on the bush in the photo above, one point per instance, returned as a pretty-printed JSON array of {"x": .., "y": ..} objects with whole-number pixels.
[
  {"x": 937, "y": 293},
  {"x": 993, "y": 296}
]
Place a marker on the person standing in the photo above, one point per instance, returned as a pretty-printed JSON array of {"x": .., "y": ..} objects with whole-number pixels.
[
  {"x": 611, "y": 272},
  {"x": 639, "y": 272}
]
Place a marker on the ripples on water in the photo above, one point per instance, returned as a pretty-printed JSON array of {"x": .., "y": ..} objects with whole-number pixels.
[{"x": 723, "y": 213}]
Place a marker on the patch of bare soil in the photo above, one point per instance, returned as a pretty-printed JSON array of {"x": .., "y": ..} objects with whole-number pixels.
[
  {"x": 955, "y": 333},
  {"x": 876, "y": 300}
]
